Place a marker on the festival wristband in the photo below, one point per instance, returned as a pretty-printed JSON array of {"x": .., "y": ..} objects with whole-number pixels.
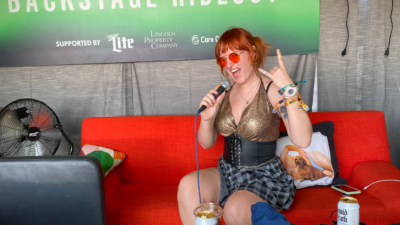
[
  {"x": 277, "y": 105},
  {"x": 282, "y": 90},
  {"x": 302, "y": 105},
  {"x": 291, "y": 92},
  {"x": 291, "y": 101}
]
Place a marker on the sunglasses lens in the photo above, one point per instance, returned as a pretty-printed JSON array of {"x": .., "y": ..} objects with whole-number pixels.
[
  {"x": 221, "y": 62},
  {"x": 234, "y": 57}
]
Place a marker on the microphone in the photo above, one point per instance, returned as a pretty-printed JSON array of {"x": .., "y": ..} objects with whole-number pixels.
[{"x": 225, "y": 85}]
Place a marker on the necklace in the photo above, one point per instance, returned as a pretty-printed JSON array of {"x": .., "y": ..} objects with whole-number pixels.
[{"x": 247, "y": 102}]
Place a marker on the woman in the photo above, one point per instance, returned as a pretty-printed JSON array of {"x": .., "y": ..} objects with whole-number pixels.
[{"x": 248, "y": 172}]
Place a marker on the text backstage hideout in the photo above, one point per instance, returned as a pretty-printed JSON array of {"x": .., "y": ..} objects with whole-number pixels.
[{"x": 14, "y": 6}]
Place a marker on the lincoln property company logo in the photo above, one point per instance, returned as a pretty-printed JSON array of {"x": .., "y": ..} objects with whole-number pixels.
[{"x": 120, "y": 42}]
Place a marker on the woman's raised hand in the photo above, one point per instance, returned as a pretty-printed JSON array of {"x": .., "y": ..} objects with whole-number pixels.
[
  {"x": 211, "y": 103},
  {"x": 278, "y": 74}
]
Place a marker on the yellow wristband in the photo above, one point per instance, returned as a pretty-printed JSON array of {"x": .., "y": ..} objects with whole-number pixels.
[{"x": 291, "y": 101}]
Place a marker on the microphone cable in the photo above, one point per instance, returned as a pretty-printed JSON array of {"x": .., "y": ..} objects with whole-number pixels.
[
  {"x": 390, "y": 37},
  {"x": 348, "y": 35},
  {"x": 197, "y": 156},
  {"x": 225, "y": 85}
]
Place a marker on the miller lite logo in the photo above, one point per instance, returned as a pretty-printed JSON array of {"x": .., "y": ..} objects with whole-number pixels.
[{"x": 120, "y": 42}]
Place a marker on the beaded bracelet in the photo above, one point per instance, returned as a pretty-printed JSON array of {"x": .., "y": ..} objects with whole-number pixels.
[{"x": 280, "y": 91}]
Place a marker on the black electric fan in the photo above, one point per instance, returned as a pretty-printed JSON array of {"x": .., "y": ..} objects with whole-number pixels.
[{"x": 29, "y": 127}]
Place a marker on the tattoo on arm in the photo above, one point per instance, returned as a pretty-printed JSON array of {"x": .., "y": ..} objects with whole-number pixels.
[{"x": 284, "y": 112}]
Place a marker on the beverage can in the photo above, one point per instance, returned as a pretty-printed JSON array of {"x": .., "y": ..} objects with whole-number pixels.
[
  {"x": 206, "y": 218},
  {"x": 348, "y": 211}
]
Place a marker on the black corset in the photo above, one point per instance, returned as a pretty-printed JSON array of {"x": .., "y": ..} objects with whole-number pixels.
[{"x": 240, "y": 152}]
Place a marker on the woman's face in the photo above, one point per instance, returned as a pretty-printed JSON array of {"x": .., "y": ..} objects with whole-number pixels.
[{"x": 240, "y": 71}]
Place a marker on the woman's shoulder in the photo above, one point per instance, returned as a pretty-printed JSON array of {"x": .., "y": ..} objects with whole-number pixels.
[
  {"x": 272, "y": 88},
  {"x": 273, "y": 93},
  {"x": 266, "y": 81}
]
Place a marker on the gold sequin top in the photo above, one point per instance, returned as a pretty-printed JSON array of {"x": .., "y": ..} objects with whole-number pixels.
[{"x": 258, "y": 122}]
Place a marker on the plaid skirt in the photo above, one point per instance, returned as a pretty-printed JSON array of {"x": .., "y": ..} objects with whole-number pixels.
[{"x": 269, "y": 181}]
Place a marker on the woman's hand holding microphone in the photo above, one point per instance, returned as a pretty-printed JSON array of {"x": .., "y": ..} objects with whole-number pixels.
[{"x": 211, "y": 103}]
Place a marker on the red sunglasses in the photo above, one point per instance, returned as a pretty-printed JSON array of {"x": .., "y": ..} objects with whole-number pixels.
[{"x": 233, "y": 57}]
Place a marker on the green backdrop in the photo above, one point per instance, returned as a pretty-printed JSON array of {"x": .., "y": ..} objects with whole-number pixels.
[{"x": 48, "y": 32}]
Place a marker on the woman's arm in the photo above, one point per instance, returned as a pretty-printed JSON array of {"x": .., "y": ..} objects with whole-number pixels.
[
  {"x": 296, "y": 121},
  {"x": 207, "y": 134}
]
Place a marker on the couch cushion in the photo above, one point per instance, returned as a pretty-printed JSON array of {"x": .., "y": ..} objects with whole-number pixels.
[
  {"x": 322, "y": 143},
  {"x": 108, "y": 158},
  {"x": 368, "y": 141},
  {"x": 314, "y": 205},
  {"x": 112, "y": 183},
  {"x": 366, "y": 173},
  {"x": 144, "y": 204},
  {"x": 150, "y": 203}
]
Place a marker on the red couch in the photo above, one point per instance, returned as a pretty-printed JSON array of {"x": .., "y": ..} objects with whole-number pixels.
[{"x": 161, "y": 150}]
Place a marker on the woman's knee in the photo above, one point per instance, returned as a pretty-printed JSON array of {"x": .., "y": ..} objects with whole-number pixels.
[
  {"x": 186, "y": 187},
  {"x": 233, "y": 212},
  {"x": 237, "y": 209},
  {"x": 209, "y": 184}
]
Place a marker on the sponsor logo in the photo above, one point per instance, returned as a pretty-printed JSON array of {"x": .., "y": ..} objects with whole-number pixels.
[
  {"x": 33, "y": 134},
  {"x": 120, "y": 43},
  {"x": 161, "y": 40},
  {"x": 196, "y": 39}
]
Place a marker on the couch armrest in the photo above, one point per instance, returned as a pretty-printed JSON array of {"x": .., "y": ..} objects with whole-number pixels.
[
  {"x": 112, "y": 183},
  {"x": 366, "y": 173}
]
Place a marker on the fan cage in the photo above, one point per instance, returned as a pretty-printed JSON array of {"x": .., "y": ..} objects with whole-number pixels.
[{"x": 29, "y": 127}]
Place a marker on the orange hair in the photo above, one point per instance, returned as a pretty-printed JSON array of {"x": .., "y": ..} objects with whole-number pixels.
[{"x": 241, "y": 39}]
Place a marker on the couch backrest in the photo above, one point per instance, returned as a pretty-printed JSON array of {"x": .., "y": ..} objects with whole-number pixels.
[
  {"x": 161, "y": 149},
  {"x": 359, "y": 136}
]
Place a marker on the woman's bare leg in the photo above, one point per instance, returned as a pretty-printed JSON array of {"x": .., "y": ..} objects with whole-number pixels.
[
  {"x": 188, "y": 195},
  {"x": 237, "y": 209}
]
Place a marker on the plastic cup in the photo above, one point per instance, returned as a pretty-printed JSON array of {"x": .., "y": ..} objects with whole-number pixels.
[{"x": 210, "y": 207}]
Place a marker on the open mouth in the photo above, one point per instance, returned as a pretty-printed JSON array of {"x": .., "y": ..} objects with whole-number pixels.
[{"x": 235, "y": 72}]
